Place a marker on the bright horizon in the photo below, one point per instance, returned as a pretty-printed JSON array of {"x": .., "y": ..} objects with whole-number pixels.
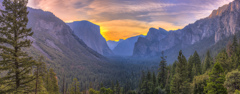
[{"x": 128, "y": 18}]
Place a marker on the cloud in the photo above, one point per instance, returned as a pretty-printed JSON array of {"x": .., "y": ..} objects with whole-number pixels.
[
  {"x": 111, "y": 31},
  {"x": 120, "y": 19}
]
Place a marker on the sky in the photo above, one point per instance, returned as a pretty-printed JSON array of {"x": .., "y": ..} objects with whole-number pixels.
[{"x": 121, "y": 19}]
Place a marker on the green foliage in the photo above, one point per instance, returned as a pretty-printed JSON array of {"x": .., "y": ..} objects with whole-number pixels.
[
  {"x": 14, "y": 60},
  {"x": 216, "y": 80},
  {"x": 104, "y": 90},
  {"x": 237, "y": 92},
  {"x": 208, "y": 63},
  {"x": 197, "y": 64},
  {"x": 92, "y": 91},
  {"x": 222, "y": 58},
  {"x": 40, "y": 74},
  {"x": 180, "y": 84},
  {"x": 52, "y": 83},
  {"x": 191, "y": 68},
  {"x": 232, "y": 82},
  {"x": 74, "y": 87},
  {"x": 198, "y": 84},
  {"x": 162, "y": 71}
]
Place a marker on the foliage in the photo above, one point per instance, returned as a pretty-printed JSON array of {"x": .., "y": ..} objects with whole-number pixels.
[
  {"x": 162, "y": 71},
  {"x": 232, "y": 82},
  {"x": 75, "y": 87},
  {"x": 179, "y": 82},
  {"x": 14, "y": 60},
  {"x": 198, "y": 84},
  {"x": 216, "y": 80}
]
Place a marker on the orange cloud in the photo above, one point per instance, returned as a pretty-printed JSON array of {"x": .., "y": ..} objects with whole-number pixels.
[
  {"x": 123, "y": 29},
  {"x": 121, "y": 19}
]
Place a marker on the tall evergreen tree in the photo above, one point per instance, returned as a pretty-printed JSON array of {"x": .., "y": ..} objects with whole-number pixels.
[
  {"x": 154, "y": 80},
  {"x": 179, "y": 84},
  {"x": 222, "y": 58},
  {"x": 162, "y": 71},
  {"x": 197, "y": 63},
  {"x": 53, "y": 82},
  {"x": 190, "y": 66},
  {"x": 216, "y": 81},
  {"x": 207, "y": 62},
  {"x": 14, "y": 31},
  {"x": 118, "y": 89},
  {"x": 75, "y": 87},
  {"x": 40, "y": 73}
]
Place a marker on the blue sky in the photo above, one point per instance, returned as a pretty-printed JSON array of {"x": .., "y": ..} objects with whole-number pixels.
[{"x": 120, "y": 19}]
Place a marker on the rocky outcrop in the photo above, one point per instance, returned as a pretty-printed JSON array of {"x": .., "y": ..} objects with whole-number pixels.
[
  {"x": 125, "y": 47},
  {"x": 221, "y": 24},
  {"x": 150, "y": 44},
  {"x": 55, "y": 40},
  {"x": 90, "y": 34},
  {"x": 113, "y": 44}
]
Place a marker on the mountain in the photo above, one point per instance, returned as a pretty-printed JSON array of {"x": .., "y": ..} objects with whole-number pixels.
[
  {"x": 113, "y": 44},
  {"x": 90, "y": 34},
  {"x": 125, "y": 47},
  {"x": 201, "y": 35},
  {"x": 149, "y": 45},
  {"x": 63, "y": 50}
]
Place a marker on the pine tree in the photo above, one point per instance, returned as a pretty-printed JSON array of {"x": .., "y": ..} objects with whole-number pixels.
[
  {"x": 207, "y": 62},
  {"x": 154, "y": 80},
  {"x": 197, "y": 63},
  {"x": 14, "y": 31},
  {"x": 179, "y": 84},
  {"x": 163, "y": 69},
  {"x": 40, "y": 73},
  {"x": 75, "y": 87},
  {"x": 112, "y": 86},
  {"x": 198, "y": 84},
  {"x": 52, "y": 82},
  {"x": 190, "y": 68},
  {"x": 235, "y": 44},
  {"x": 222, "y": 58},
  {"x": 118, "y": 88},
  {"x": 216, "y": 81}
]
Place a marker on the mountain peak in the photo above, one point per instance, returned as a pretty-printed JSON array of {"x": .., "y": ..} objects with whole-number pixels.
[
  {"x": 219, "y": 11},
  {"x": 90, "y": 34}
]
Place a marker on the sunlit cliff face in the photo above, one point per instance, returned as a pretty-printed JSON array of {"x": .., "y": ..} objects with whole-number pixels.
[{"x": 121, "y": 19}]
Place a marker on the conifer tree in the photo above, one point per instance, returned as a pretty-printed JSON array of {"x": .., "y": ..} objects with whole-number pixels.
[
  {"x": 179, "y": 84},
  {"x": 162, "y": 71},
  {"x": 222, "y": 58},
  {"x": 40, "y": 73},
  {"x": 118, "y": 89},
  {"x": 216, "y": 81},
  {"x": 52, "y": 82},
  {"x": 154, "y": 80},
  {"x": 75, "y": 87},
  {"x": 190, "y": 67},
  {"x": 207, "y": 62},
  {"x": 14, "y": 32},
  {"x": 197, "y": 63}
]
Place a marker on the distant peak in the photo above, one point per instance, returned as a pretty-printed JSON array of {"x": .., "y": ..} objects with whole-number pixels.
[{"x": 219, "y": 11}]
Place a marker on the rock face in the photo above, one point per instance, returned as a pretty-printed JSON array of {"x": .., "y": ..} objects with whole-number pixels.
[
  {"x": 125, "y": 47},
  {"x": 113, "y": 44},
  {"x": 55, "y": 40},
  {"x": 90, "y": 34},
  {"x": 149, "y": 44},
  {"x": 221, "y": 24}
]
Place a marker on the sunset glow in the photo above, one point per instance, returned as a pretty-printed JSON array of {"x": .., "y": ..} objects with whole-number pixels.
[{"x": 121, "y": 19}]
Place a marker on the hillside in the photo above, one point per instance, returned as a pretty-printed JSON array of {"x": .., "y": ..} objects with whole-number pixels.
[{"x": 199, "y": 36}]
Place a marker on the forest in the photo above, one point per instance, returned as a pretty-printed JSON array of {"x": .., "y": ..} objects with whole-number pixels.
[{"x": 22, "y": 74}]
